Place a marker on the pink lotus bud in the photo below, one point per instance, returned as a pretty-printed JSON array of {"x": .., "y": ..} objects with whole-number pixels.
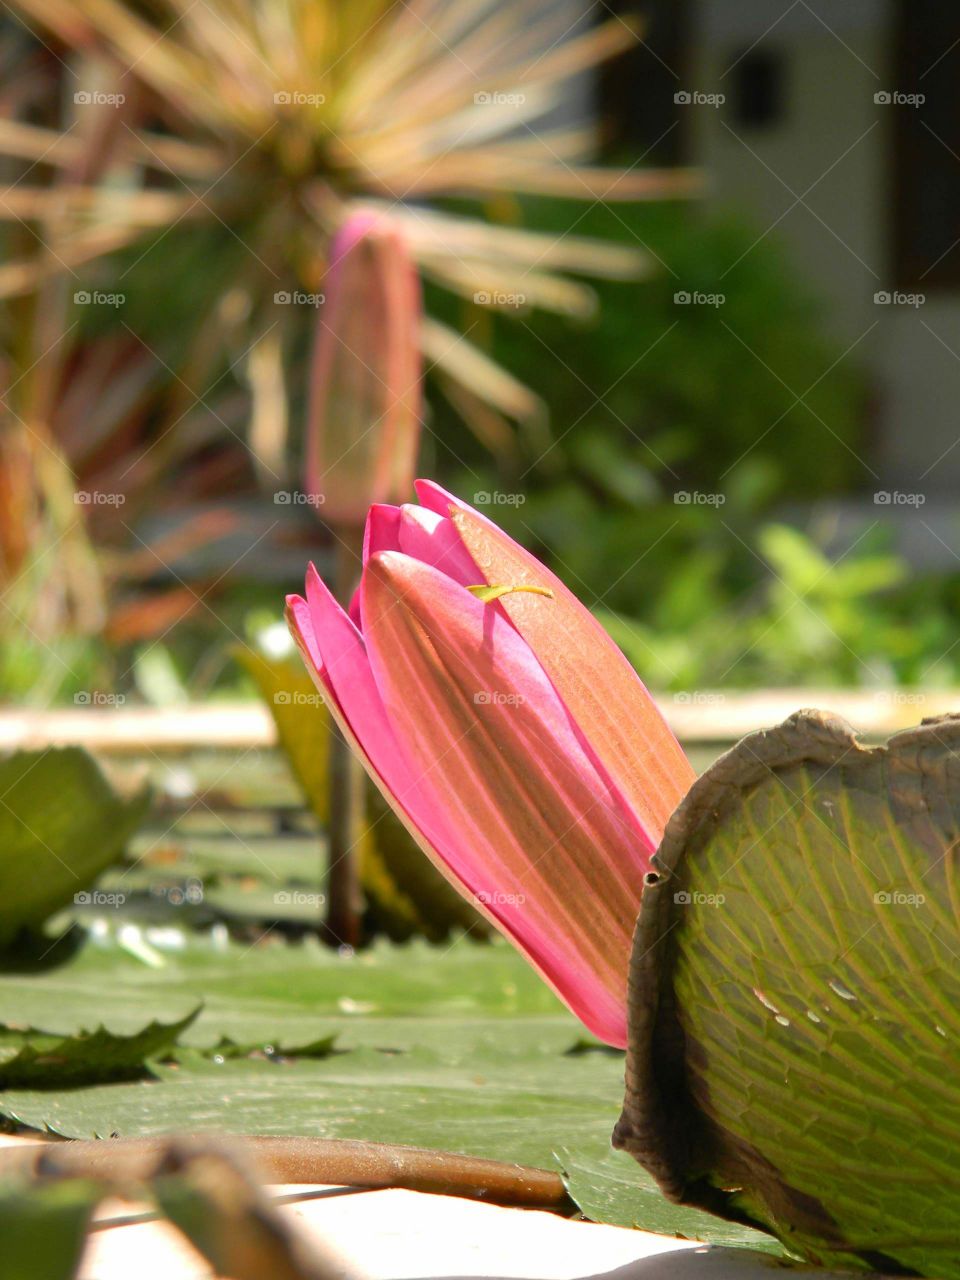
[
  {"x": 363, "y": 423},
  {"x": 508, "y": 732}
]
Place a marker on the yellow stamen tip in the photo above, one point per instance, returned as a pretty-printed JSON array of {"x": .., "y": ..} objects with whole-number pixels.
[{"x": 490, "y": 593}]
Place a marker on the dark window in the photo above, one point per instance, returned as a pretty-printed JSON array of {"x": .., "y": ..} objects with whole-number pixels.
[
  {"x": 759, "y": 89},
  {"x": 922, "y": 110}
]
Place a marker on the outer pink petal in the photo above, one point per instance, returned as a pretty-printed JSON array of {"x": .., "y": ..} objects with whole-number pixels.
[
  {"x": 540, "y": 833},
  {"x": 335, "y": 655},
  {"x": 615, "y": 714}
]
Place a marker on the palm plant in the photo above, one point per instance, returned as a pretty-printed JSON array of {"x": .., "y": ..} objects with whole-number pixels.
[{"x": 130, "y": 130}]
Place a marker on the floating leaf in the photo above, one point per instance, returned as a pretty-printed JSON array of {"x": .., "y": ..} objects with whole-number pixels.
[
  {"x": 38, "y": 1060},
  {"x": 796, "y": 996},
  {"x": 62, "y": 822}
]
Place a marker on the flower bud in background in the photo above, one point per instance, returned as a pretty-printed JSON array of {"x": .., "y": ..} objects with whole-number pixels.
[{"x": 363, "y": 422}]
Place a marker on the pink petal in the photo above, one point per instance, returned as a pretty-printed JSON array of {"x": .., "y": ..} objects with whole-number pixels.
[
  {"x": 432, "y": 539},
  {"x": 540, "y": 833}
]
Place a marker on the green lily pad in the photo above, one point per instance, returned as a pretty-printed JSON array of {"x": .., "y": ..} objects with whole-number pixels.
[
  {"x": 463, "y": 1049},
  {"x": 795, "y": 1016},
  {"x": 62, "y": 822}
]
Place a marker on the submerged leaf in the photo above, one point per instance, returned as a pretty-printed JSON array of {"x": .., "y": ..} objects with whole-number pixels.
[
  {"x": 795, "y": 983},
  {"x": 38, "y": 1060}
]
